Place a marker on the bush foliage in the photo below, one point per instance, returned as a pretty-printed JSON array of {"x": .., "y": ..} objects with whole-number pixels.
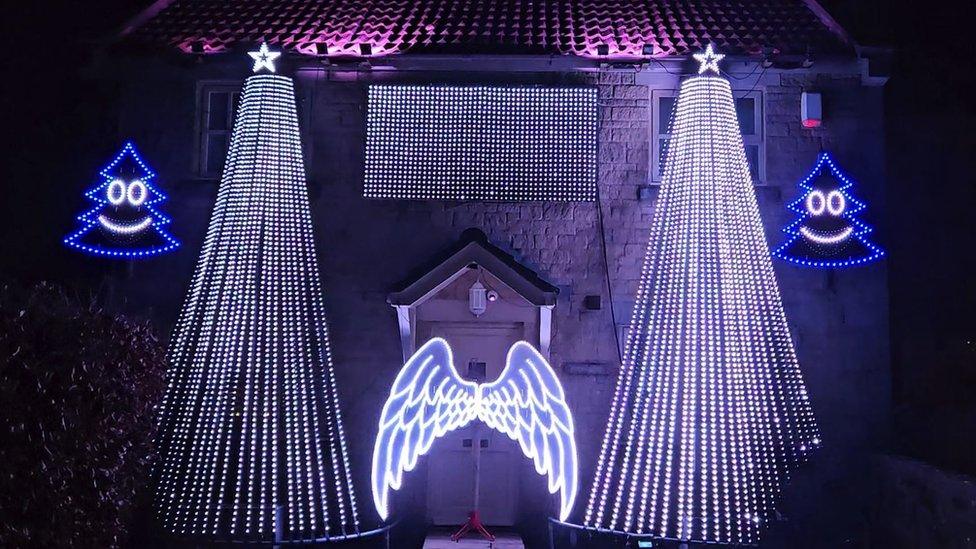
[{"x": 77, "y": 391}]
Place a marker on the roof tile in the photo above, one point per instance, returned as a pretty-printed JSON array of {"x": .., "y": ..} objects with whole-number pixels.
[{"x": 567, "y": 27}]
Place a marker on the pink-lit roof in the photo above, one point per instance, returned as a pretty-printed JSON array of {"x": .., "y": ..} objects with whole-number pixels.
[{"x": 562, "y": 27}]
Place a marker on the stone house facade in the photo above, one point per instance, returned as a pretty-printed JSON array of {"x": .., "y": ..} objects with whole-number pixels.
[{"x": 586, "y": 254}]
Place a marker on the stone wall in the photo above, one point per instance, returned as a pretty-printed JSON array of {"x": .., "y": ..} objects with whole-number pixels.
[
  {"x": 560, "y": 241},
  {"x": 839, "y": 319}
]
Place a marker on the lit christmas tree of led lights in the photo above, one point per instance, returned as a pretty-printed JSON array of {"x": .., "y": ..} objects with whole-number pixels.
[
  {"x": 251, "y": 441},
  {"x": 710, "y": 412}
]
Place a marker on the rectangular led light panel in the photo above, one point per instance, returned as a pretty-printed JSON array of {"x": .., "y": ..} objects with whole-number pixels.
[{"x": 481, "y": 143}]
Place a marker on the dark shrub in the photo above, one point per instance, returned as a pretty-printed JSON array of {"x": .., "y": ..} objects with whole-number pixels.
[{"x": 77, "y": 391}]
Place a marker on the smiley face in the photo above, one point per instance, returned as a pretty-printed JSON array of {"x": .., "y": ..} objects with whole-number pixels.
[
  {"x": 832, "y": 204},
  {"x": 134, "y": 193},
  {"x": 127, "y": 199}
]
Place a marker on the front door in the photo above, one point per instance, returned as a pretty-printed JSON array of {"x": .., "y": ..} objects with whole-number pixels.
[{"x": 454, "y": 472}]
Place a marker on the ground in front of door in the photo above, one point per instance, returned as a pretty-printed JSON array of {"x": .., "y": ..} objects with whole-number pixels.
[{"x": 440, "y": 538}]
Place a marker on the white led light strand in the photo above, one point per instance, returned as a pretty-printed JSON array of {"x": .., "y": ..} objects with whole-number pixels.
[
  {"x": 250, "y": 419},
  {"x": 826, "y": 238},
  {"x": 710, "y": 413},
  {"x": 480, "y": 143},
  {"x": 708, "y": 60},
  {"x": 116, "y": 192},
  {"x": 123, "y": 228},
  {"x": 429, "y": 399},
  {"x": 264, "y": 58},
  {"x": 136, "y": 192}
]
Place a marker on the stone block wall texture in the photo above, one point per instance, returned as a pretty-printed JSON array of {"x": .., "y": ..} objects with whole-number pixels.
[{"x": 367, "y": 247}]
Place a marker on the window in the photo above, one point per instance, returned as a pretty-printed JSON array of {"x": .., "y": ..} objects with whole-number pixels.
[
  {"x": 481, "y": 143},
  {"x": 748, "y": 107},
  {"x": 217, "y": 104},
  {"x": 477, "y": 371}
]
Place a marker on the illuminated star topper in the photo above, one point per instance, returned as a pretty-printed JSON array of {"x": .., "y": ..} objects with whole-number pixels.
[
  {"x": 430, "y": 399},
  {"x": 709, "y": 60},
  {"x": 264, "y": 58}
]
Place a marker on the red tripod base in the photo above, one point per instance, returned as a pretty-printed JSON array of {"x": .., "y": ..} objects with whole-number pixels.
[{"x": 473, "y": 523}]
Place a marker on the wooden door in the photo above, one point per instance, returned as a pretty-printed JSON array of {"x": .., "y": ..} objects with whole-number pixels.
[{"x": 479, "y": 349}]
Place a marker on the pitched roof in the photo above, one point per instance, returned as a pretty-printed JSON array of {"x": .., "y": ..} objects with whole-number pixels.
[
  {"x": 474, "y": 248},
  {"x": 562, "y": 27}
]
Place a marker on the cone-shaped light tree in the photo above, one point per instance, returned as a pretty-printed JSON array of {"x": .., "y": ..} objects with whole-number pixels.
[
  {"x": 710, "y": 412},
  {"x": 251, "y": 440}
]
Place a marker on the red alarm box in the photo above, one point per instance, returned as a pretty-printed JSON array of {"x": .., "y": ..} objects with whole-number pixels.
[{"x": 811, "y": 110}]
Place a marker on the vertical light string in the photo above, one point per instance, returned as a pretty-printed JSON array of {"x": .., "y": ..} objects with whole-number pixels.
[
  {"x": 249, "y": 422},
  {"x": 710, "y": 413}
]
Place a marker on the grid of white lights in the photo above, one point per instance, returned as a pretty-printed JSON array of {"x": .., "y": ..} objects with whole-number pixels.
[
  {"x": 710, "y": 413},
  {"x": 250, "y": 421},
  {"x": 481, "y": 143}
]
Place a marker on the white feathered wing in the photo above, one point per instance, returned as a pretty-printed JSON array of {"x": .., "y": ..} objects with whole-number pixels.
[
  {"x": 428, "y": 399},
  {"x": 528, "y": 404}
]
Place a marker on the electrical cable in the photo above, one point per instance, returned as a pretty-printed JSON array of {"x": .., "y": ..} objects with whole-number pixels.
[{"x": 606, "y": 266}]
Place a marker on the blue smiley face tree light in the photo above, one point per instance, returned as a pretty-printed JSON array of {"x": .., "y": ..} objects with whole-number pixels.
[
  {"x": 124, "y": 223},
  {"x": 827, "y": 233}
]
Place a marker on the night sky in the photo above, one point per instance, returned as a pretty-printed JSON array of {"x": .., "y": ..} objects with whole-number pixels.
[{"x": 59, "y": 122}]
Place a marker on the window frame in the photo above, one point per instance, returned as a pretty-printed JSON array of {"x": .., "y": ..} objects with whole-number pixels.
[
  {"x": 202, "y": 131},
  {"x": 758, "y": 139}
]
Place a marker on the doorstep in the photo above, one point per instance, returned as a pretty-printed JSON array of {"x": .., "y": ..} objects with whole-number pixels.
[{"x": 440, "y": 538}]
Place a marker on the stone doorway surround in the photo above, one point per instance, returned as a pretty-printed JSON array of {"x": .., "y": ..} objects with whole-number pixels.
[
  {"x": 436, "y": 304},
  {"x": 472, "y": 252}
]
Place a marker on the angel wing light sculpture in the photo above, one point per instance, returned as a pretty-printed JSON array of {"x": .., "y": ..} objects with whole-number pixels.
[{"x": 429, "y": 399}]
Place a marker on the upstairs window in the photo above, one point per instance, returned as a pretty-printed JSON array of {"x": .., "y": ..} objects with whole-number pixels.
[
  {"x": 217, "y": 104},
  {"x": 748, "y": 108},
  {"x": 481, "y": 143}
]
